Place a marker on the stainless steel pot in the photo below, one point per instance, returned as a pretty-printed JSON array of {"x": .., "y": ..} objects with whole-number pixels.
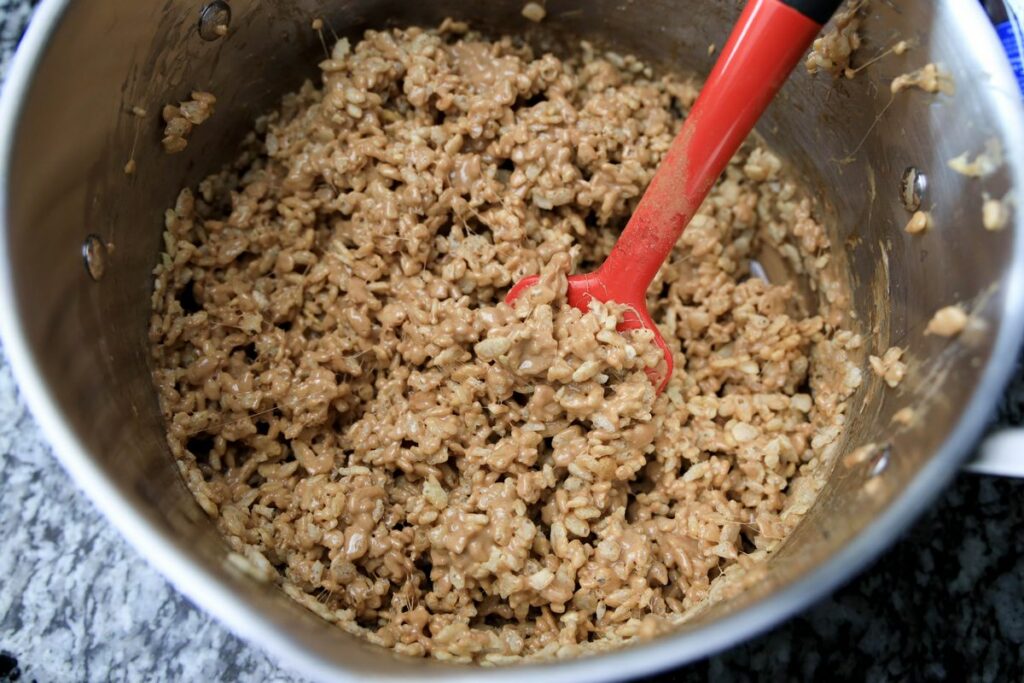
[{"x": 79, "y": 347}]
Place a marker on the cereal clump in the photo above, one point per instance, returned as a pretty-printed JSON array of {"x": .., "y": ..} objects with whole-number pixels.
[
  {"x": 995, "y": 213},
  {"x": 370, "y": 425},
  {"x": 535, "y": 12},
  {"x": 889, "y": 367},
  {"x": 181, "y": 119},
  {"x": 948, "y": 321},
  {"x": 834, "y": 49},
  {"x": 985, "y": 163},
  {"x": 919, "y": 222},
  {"x": 930, "y": 78}
]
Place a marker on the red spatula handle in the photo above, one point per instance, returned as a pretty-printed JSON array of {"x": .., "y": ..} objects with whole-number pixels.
[{"x": 766, "y": 43}]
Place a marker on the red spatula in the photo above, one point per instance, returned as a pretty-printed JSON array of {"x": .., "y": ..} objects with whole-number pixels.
[{"x": 767, "y": 42}]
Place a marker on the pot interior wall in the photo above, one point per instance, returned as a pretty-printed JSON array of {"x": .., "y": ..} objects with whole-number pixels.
[{"x": 76, "y": 133}]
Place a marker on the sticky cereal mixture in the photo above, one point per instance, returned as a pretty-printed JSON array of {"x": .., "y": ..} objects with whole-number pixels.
[
  {"x": 374, "y": 430},
  {"x": 919, "y": 222},
  {"x": 985, "y": 163},
  {"x": 534, "y": 12},
  {"x": 995, "y": 213},
  {"x": 949, "y": 321},
  {"x": 888, "y": 366},
  {"x": 833, "y": 50},
  {"x": 931, "y": 78},
  {"x": 904, "y": 416},
  {"x": 180, "y": 119}
]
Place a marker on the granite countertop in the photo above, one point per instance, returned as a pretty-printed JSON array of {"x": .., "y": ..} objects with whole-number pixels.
[{"x": 78, "y": 604}]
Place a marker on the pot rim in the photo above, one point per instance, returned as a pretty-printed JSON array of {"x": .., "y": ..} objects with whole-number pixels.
[{"x": 172, "y": 559}]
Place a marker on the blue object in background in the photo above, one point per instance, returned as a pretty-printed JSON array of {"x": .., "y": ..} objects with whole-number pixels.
[
  {"x": 1007, "y": 16},
  {"x": 1009, "y": 38}
]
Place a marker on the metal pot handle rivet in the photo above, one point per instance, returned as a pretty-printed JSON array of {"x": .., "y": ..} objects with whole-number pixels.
[
  {"x": 214, "y": 19},
  {"x": 913, "y": 186},
  {"x": 94, "y": 255}
]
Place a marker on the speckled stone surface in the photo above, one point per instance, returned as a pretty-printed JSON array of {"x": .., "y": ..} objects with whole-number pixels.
[{"x": 78, "y": 604}]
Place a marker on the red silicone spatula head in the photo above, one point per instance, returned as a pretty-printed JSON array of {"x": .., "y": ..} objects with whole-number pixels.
[
  {"x": 767, "y": 42},
  {"x": 586, "y": 287}
]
